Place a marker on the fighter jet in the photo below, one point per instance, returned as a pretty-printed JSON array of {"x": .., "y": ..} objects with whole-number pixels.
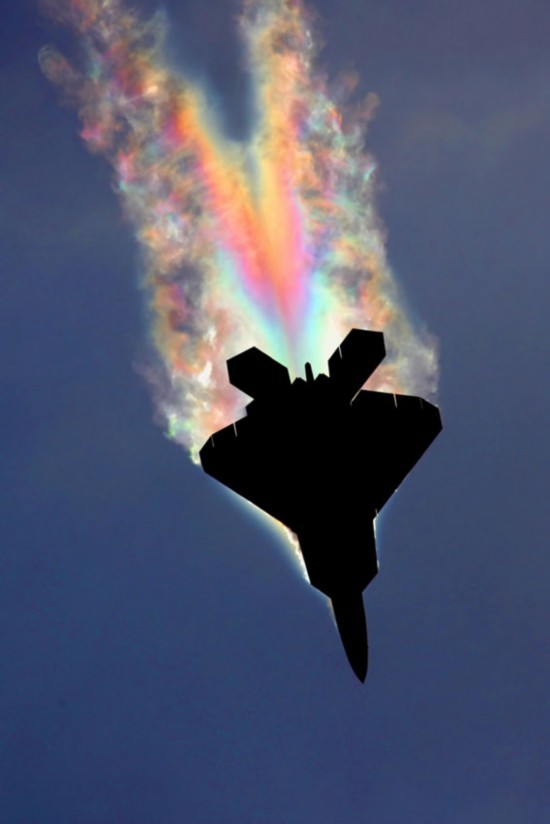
[{"x": 322, "y": 456}]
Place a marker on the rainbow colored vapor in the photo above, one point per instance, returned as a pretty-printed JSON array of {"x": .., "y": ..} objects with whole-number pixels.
[{"x": 273, "y": 241}]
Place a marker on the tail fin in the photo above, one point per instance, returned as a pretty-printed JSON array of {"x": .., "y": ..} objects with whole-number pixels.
[{"x": 351, "y": 621}]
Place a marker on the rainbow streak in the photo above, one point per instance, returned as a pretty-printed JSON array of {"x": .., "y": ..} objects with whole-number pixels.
[{"x": 273, "y": 241}]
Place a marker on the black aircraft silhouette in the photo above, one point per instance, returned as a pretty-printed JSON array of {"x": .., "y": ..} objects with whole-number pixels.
[{"x": 323, "y": 456}]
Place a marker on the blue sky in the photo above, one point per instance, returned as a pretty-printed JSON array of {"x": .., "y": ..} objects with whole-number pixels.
[{"x": 161, "y": 660}]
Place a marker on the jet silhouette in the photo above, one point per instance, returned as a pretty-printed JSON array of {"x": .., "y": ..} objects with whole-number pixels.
[{"x": 323, "y": 456}]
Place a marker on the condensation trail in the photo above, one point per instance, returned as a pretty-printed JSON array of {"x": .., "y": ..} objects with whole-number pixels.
[{"x": 272, "y": 241}]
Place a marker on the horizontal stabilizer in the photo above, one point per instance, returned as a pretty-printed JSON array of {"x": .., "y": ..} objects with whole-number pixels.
[
  {"x": 256, "y": 374},
  {"x": 355, "y": 360}
]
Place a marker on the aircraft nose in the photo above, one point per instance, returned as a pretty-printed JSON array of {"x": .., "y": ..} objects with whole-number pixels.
[{"x": 351, "y": 621}]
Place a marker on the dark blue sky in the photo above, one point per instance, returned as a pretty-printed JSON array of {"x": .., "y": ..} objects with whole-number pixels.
[{"x": 161, "y": 661}]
